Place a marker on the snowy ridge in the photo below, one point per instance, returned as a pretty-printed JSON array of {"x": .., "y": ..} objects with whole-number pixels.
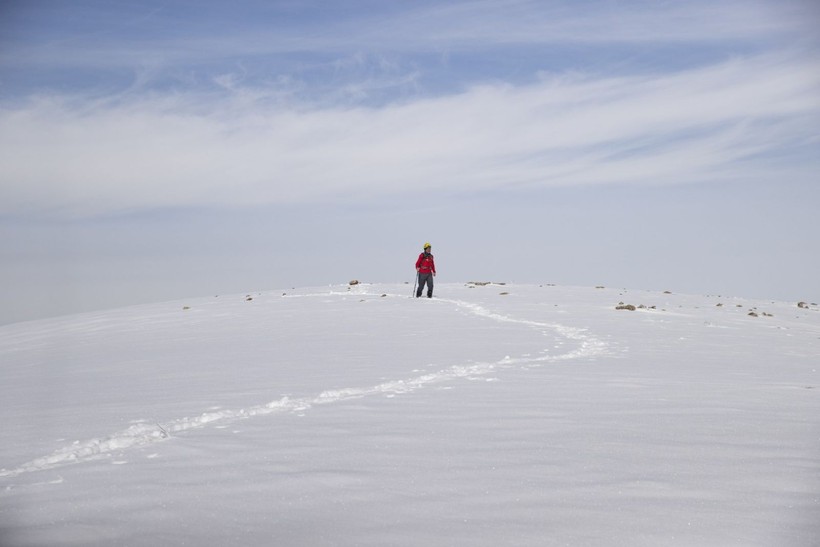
[
  {"x": 144, "y": 433},
  {"x": 493, "y": 416}
]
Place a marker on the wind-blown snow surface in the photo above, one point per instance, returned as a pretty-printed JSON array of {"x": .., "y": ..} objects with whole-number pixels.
[{"x": 339, "y": 416}]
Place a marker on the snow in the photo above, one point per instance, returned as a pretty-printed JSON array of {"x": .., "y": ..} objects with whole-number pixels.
[{"x": 339, "y": 416}]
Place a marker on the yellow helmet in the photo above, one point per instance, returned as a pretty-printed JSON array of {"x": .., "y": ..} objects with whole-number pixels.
[{"x": 427, "y": 246}]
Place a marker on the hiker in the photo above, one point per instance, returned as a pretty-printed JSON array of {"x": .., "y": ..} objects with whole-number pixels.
[{"x": 426, "y": 268}]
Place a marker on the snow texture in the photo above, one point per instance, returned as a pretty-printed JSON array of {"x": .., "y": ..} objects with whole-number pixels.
[{"x": 489, "y": 415}]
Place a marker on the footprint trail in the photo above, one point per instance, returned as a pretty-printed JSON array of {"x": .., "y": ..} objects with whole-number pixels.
[{"x": 145, "y": 433}]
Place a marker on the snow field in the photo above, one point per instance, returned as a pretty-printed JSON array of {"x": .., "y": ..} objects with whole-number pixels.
[{"x": 336, "y": 417}]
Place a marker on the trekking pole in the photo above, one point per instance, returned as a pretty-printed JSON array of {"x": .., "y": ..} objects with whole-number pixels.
[{"x": 414, "y": 285}]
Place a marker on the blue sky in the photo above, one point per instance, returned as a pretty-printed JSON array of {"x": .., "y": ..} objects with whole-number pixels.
[{"x": 159, "y": 150}]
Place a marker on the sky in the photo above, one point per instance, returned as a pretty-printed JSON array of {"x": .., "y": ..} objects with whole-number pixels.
[{"x": 155, "y": 150}]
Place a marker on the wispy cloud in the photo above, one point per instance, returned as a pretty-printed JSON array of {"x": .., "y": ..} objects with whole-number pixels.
[
  {"x": 284, "y": 108},
  {"x": 724, "y": 121},
  {"x": 401, "y": 27}
]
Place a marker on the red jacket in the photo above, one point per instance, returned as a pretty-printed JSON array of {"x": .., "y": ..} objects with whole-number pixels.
[{"x": 426, "y": 264}]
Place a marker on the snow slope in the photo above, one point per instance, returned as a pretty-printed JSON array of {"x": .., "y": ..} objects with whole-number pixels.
[{"x": 490, "y": 415}]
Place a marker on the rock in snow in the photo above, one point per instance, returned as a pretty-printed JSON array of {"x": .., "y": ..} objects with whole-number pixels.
[{"x": 473, "y": 418}]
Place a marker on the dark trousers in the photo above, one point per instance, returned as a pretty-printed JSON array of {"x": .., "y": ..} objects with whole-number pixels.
[{"x": 425, "y": 278}]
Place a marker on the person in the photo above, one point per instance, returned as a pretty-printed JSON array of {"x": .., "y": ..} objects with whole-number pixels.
[{"x": 426, "y": 268}]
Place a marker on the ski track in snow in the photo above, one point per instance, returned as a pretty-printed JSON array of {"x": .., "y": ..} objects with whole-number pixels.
[{"x": 144, "y": 433}]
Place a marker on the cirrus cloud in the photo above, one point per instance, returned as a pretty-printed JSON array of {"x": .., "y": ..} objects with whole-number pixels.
[{"x": 729, "y": 121}]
